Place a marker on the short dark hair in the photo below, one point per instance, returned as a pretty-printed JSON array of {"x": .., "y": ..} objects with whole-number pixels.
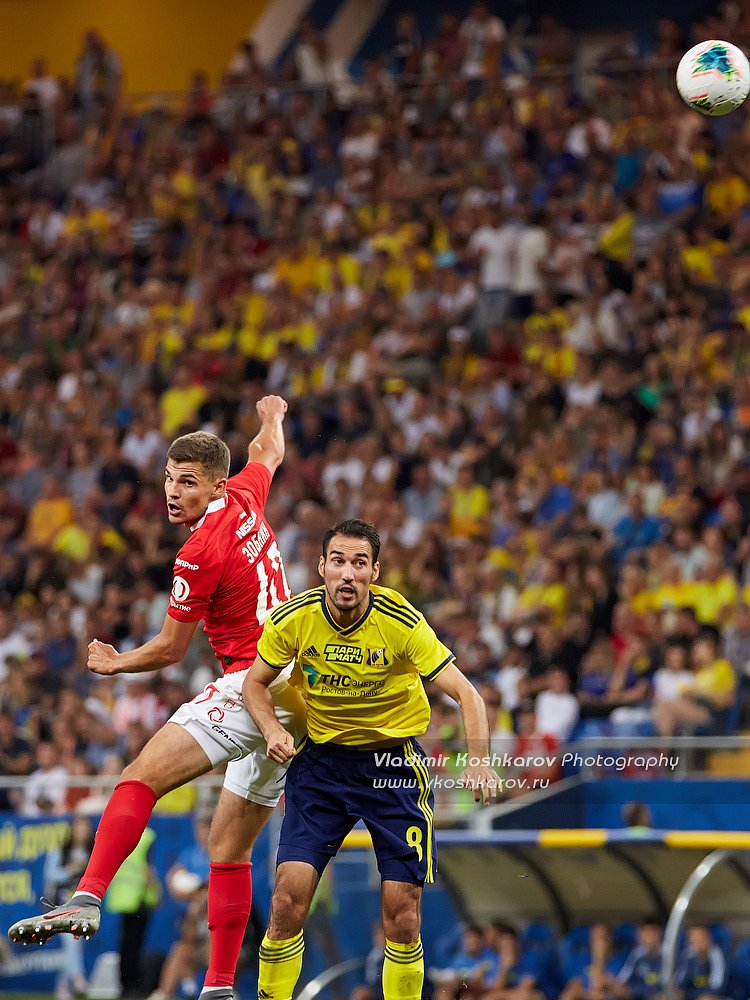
[
  {"x": 207, "y": 449},
  {"x": 636, "y": 814},
  {"x": 354, "y": 528},
  {"x": 503, "y": 927}
]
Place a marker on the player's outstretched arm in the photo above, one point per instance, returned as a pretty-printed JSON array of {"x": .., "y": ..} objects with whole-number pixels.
[
  {"x": 478, "y": 776},
  {"x": 259, "y": 703},
  {"x": 267, "y": 447},
  {"x": 168, "y": 647}
]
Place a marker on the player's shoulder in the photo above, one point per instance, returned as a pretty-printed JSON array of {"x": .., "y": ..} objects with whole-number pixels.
[
  {"x": 394, "y": 606},
  {"x": 254, "y": 479},
  {"x": 301, "y": 604}
]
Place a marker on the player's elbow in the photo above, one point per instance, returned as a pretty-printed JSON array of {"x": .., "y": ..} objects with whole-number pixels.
[
  {"x": 270, "y": 455},
  {"x": 171, "y": 651},
  {"x": 274, "y": 457},
  {"x": 464, "y": 693}
]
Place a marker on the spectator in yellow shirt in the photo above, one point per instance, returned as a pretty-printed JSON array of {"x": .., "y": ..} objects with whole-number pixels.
[
  {"x": 469, "y": 505},
  {"x": 714, "y": 593},
  {"x": 726, "y": 193},
  {"x": 299, "y": 269},
  {"x": 710, "y": 692},
  {"x": 51, "y": 512},
  {"x": 550, "y": 593},
  {"x": 180, "y": 403},
  {"x": 698, "y": 257}
]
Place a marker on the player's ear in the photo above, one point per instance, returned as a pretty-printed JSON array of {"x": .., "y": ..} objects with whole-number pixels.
[
  {"x": 220, "y": 487},
  {"x": 321, "y": 565},
  {"x": 375, "y": 571}
]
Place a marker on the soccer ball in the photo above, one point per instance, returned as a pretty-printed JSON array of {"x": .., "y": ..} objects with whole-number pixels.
[{"x": 714, "y": 77}]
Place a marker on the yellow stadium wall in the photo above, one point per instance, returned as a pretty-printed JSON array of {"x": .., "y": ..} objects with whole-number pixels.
[{"x": 159, "y": 41}]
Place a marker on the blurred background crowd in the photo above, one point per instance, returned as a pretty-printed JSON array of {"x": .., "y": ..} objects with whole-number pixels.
[{"x": 509, "y": 309}]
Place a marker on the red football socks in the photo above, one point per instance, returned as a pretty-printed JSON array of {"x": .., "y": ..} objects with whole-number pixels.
[
  {"x": 230, "y": 895},
  {"x": 120, "y": 829}
]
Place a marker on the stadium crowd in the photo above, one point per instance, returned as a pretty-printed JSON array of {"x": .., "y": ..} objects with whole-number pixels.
[{"x": 510, "y": 312}]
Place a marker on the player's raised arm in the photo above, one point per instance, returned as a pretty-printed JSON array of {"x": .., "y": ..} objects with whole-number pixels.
[
  {"x": 258, "y": 702},
  {"x": 168, "y": 647},
  {"x": 478, "y": 776},
  {"x": 267, "y": 447}
]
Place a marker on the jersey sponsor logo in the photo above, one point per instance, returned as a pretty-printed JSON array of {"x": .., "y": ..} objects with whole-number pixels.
[
  {"x": 180, "y": 589},
  {"x": 254, "y": 546},
  {"x": 247, "y": 527},
  {"x": 227, "y": 737},
  {"x": 311, "y": 651},
  {"x": 330, "y": 683},
  {"x": 338, "y": 653},
  {"x": 311, "y": 674},
  {"x": 179, "y": 607},
  {"x": 377, "y": 657},
  {"x": 186, "y": 565}
]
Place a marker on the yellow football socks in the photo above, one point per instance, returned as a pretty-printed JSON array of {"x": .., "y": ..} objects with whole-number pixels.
[
  {"x": 403, "y": 970},
  {"x": 280, "y": 967}
]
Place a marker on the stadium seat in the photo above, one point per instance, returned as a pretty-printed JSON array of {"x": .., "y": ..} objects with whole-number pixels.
[
  {"x": 538, "y": 937},
  {"x": 722, "y": 937},
  {"x": 574, "y": 953},
  {"x": 625, "y": 938},
  {"x": 449, "y": 944},
  {"x": 739, "y": 971}
]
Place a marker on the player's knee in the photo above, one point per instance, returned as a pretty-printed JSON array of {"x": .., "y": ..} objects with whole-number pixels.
[
  {"x": 288, "y": 912},
  {"x": 401, "y": 921},
  {"x": 225, "y": 848},
  {"x": 135, "y": 772}
]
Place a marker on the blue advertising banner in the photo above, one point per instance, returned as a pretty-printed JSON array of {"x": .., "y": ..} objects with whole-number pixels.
[
  {"x": 24, "y": 845},
  {"x": 340, "y": 926}
]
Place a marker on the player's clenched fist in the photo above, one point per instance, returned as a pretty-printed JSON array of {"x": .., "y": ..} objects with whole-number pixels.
[
  {"x": 280, "y": 746},
  {"x": 271, "y": 406},
  {"x": 102, "y": 658}
]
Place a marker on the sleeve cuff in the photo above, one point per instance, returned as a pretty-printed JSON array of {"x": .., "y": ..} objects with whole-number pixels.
[
  {"x": 440, "y": 668},
  {"x": 183, "y": 616},
  {"x": 273, "y": 666}
]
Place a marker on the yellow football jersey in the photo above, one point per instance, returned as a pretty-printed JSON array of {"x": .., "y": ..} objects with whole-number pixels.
[{"x": 361, "y": 684}]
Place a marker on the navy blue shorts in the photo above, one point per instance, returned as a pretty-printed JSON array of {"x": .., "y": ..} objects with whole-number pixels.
[{"x": 329, "y": 787}]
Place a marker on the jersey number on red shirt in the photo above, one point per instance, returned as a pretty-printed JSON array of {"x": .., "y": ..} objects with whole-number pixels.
[{"x": 272, "y": 585}]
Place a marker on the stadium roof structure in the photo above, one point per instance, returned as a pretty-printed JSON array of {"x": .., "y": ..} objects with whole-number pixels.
[
  {"x": 566, "y": 878},
  {"x": 570, "y": 877}
]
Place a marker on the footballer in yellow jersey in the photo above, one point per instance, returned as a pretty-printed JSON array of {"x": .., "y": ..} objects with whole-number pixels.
[
  {"x": 362, "y": 684},
  {"x": 361, "y": 655}
]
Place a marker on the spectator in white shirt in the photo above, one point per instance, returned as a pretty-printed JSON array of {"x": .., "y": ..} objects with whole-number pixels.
[
  {"x": 43, "y": 84},
  {"x": 584, "y": 389},
  {"x": 361, "y": 143},
  {"x": 47, "y": 786},
  {"x": 493, "y": 243},
  {"x": 482, "y": 36},
  {"x": 532, "y": 249},
  {"x": 556, "y": 707},
  {"x": 46, "y": 226},
  {"x": 12, "y": 643},
  {"x": 142, "y": 445},
  {"x": 675, "y": 677},
  {"x": 509, "y": 675}
]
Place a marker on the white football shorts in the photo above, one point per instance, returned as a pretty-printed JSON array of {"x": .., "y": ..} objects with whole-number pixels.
[{"x": 225, "y": 730}]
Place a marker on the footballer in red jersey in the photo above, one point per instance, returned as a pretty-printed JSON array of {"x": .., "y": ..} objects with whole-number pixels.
[{"x": 228, "y": 574}]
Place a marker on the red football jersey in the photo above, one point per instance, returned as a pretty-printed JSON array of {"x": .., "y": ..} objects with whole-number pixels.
[{"x": 229, "y": 572}]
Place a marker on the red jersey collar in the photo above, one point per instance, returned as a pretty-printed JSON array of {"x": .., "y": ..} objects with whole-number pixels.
[{"x": 211, "y": 509}]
